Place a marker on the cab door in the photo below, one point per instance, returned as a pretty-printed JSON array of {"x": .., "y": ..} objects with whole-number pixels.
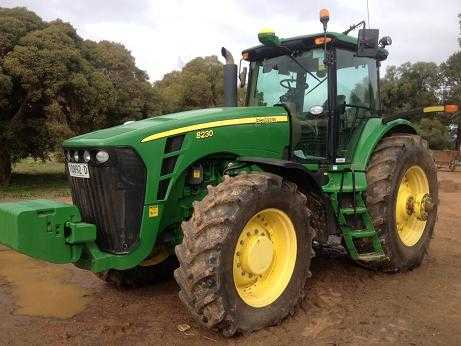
[{"x": 356, "y": 79}]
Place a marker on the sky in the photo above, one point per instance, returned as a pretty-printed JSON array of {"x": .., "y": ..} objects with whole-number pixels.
[{"x": 162, "y": 35}]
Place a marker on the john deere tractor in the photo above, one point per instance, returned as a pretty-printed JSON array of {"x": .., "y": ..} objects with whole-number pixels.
[{"x": 239, "y": 195}]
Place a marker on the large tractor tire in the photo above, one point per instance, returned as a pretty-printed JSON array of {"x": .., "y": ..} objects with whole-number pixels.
[
  {"x": 140, "y": 275},
  {"x": 245, "y": 255},
  {"x": 402, "y": 199}
]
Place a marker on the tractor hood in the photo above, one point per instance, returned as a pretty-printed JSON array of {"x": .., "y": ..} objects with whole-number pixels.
[{"x": 145, "y": 130}]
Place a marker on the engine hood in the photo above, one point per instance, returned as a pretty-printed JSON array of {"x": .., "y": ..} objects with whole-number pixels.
[{"x": 149, "y": 129}]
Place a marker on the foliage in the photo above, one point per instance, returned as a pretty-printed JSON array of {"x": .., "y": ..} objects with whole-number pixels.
[
  {"x": 436, "y": 133},
  {"x": 54, "y": 85},
  {"x": 451, "y": 70},
  {"x": 198, "y": 85},
  {"x": 413, "y": 86},
  {"x": 410, "y": 86}
]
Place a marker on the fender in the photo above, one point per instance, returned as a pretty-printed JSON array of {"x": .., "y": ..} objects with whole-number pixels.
[
  {"x": 375, "y": 130},
  {"x": 294, "y": 171}
]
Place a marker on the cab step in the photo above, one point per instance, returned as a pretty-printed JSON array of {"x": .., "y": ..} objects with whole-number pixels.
[
  {"x": 353, "y": 211},
  {"x": 371, "y": 257}
]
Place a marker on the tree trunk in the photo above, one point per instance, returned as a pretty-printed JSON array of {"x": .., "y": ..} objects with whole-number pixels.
[
  {"x": 5, "y": 167},
  {"x": 5, "y": 158}
]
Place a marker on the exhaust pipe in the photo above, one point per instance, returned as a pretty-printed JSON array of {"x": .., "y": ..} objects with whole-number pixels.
[{"x": 230, "y": 79}]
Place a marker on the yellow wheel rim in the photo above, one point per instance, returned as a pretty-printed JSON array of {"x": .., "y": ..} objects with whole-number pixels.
[
  {"x": 412, "y": 206},
  {"x": 264, "y": 257}
]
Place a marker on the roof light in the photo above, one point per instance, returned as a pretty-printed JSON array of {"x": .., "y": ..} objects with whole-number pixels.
[
  {"x": 324, "y": 15},
  {"x": 324, "y": 18}
]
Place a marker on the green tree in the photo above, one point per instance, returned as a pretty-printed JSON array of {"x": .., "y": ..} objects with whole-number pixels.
[
  {"x": 412, "y": 86},
  {"x": 54, "y": 85},
  {"x": 451, "y": 70},
  {"x": 436, "y": 133},
  {"x": 134, "y": 96},
  {"x": 14, "y": 24},
  {"x": 198, "y": 85}
]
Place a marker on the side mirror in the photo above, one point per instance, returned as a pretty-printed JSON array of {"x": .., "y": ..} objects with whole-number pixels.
[
  {"x": 367, "y": 43},
  {"x": 243, "y": 76}
]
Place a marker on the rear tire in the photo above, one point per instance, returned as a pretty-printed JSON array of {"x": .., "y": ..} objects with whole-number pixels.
[
  {"x": 392, "y": 159},
  {"x": 211, "y": 242}
]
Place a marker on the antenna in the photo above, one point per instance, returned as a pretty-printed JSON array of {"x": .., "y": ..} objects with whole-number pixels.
[{"x": 368, "y": 16}]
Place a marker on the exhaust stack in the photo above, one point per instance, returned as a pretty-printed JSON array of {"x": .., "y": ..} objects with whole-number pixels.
[{"x": 230, "y": 79}]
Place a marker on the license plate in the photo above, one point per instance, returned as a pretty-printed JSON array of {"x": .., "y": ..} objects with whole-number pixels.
[{"x": 79, "y": 170}]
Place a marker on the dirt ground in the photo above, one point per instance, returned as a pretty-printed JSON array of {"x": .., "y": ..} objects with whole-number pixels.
[{"x": 49, "y": 304}]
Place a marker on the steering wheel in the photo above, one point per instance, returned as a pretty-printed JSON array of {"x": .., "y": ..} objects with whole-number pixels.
[{"x": 286, "y": 83}]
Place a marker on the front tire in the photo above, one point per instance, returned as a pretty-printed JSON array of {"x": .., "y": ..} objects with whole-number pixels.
[
  {"x": 245, "y": 255},
  {"x": 402, "y": 198}
]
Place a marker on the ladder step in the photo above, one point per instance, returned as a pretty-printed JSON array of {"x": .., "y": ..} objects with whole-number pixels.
[
  {"x": 361, "y": 234},
  {"x": 352, "y": 211},
  {"x": 370, "y": 257}
]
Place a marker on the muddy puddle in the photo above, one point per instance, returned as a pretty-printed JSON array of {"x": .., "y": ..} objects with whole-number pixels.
[{"x": 41, "y": 289}]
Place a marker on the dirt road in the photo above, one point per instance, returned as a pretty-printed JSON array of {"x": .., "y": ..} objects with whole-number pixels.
[{"x": 47, "y": 304}]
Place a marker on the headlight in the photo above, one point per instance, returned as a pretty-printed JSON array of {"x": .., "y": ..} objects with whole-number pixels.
[
  {"x": 76, "y": 157},
  {"x": 102, "y": 156},
  {"x": 68, "y": 156},
  {"x": 86, "y": 156}
]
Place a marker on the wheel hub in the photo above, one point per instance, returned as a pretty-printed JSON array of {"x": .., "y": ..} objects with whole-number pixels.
[
  {"x": 413, "y": 204},
  {"x": 257, "y": 254},
  {"x": 264, "y": 257},
  {"x": 419, "y": 206}
]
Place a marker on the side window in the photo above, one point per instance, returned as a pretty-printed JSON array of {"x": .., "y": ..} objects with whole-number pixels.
[
  {"x": 357, "y": 81},
  {"x": 357, "y": 87},
  {"x": 353, "y": 83}
]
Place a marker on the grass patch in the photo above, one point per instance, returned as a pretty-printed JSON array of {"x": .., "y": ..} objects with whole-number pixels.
[{"x": 36, "y": 179}]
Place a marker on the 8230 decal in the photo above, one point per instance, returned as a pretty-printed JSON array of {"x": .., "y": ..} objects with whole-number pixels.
[{"x": 204, "y": 134}]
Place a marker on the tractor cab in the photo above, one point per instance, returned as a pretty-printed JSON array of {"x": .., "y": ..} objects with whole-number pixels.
[{"x": 328, "y": 82}]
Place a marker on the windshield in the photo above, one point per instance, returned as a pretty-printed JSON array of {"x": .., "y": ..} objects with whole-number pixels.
[{"x": 280, "y": 80}]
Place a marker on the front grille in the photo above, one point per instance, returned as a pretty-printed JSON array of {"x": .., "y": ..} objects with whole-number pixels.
[{"x": 112, "y": 198}]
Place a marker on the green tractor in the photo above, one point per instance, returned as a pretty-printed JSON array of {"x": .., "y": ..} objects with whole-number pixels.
[{"x": 239, "y": 195}]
